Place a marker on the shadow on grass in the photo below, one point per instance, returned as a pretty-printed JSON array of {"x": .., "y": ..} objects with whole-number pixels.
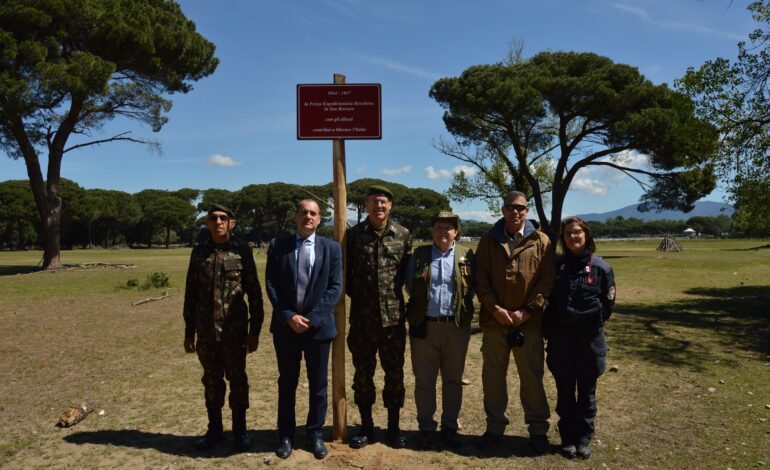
[
  {"x": 679, "y": 333},
  {"x": 261, "y": 441},
  {"x": 506, "y": 447},
  {"x": 12, "y": 270},
  {"x": 753, "y": 248}
]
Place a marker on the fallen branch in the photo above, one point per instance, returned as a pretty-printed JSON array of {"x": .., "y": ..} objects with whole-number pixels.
[
  {"x": 150, "y": 299},
  {"x": 75, "y": 414}
]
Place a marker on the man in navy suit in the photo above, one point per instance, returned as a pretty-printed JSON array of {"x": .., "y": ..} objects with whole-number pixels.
[{"x": 304, "y": 282}]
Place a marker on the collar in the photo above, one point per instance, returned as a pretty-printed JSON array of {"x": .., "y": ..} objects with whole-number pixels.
[
  {"x": 388, "y": 226},
  {"x": 311, "y": 238},
  {"x": 449, "y": 252}
]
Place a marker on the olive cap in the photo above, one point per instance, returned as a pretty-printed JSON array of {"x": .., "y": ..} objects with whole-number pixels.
[
  {"x": 377, "y": 190},
  {"x": 214, "y": 207}
]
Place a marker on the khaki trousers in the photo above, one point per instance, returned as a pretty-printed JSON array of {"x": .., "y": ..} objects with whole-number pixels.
[
  {"x": 442, "y": 350},
  {"x": 529, "y": 360}
]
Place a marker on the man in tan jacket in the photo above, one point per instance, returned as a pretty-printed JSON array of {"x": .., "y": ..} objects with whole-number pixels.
[{"x": 514, "y": 274}]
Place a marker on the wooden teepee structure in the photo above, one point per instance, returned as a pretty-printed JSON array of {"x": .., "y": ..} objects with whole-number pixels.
[{"x": 669, "y": 243}]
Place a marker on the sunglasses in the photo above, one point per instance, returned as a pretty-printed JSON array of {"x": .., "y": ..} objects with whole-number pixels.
[
  {"x": 515, "y": 207},
  {"x": 214, "y": 218}
]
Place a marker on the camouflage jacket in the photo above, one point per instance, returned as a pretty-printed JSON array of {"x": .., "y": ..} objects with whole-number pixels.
[
  {"x": 217, "y": 279},
  {"x": 375, "y": 273}
]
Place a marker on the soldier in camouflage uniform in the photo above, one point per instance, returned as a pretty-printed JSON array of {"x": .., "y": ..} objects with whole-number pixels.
[
  {"x": 221, "y": 271},
  {"x": 377, "y": 252}
]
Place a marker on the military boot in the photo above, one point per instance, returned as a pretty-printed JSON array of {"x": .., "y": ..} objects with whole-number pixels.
[
  {"x": 366, "y": 433},
  {"x": 241, "y": 439},
  {"x": 214, "y": 435},
  {"x": 396, "y": 440}
]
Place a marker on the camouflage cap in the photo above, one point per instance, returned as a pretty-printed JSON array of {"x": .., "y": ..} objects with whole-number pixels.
[
  {"x": 214, "y": 207},
  {"x": 378, "y": 190},
  {"x": 446, "y": 215}
]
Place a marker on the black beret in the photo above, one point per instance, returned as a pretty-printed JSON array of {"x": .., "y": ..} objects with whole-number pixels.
[{"x": 378, "y": 190}]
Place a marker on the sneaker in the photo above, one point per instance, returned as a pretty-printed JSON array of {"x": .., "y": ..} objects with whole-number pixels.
[
  {"x": 488, "y": 440},
  {"x": 540, "y": 443}
]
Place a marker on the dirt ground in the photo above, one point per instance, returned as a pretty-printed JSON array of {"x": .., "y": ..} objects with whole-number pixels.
[{"x": 690, "y": 388}]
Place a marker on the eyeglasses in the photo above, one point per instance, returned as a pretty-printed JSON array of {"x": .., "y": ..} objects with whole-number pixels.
[
  {"x": 574, "y": 233},
  {"x": 515, "y": 207},
  {"x": 215, "y": 217}
]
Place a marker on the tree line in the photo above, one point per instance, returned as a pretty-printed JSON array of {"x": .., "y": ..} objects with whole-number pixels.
[
  {"x": 526, "y": 123},
  {"x": 101, "y": 217}
]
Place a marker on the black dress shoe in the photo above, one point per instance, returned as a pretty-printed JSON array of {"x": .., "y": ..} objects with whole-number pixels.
[
  {"x": 209, "y": 440},
  {"x": 364, "y": 438},
  {"x": 284, "y": 449},
  {"x": 318, "y": 448}
]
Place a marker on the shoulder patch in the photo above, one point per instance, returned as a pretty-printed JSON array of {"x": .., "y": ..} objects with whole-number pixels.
[{"x": 611, "y": 293}]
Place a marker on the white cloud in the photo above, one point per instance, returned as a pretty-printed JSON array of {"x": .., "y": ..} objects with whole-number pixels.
[
  {"x": 596, "y": 180},
  {"x": 589, "y": 186},
  {"x": 396, "y": 171},
  {"x": 483, "y": 216},
  {"x": 222, "y": 160},
  {"x": 682, "y": 26},
  {"x": 434, "y": 174},
  {"x": 360, "y": 169}
]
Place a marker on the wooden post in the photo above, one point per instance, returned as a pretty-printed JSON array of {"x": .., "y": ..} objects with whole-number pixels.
[{"x": 339, "y": 399}]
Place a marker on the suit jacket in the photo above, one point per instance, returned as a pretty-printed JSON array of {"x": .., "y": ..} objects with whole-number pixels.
[{"x": 321, "y": 295}]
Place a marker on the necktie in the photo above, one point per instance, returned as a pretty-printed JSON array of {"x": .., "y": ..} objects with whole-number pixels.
[{"x": 303, "y": 268}]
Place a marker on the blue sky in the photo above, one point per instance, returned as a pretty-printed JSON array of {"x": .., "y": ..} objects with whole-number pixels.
[{"x": 238, "y": 126}]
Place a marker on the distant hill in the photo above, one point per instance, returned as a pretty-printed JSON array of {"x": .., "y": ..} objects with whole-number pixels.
[{"x": 702, "y": 209}]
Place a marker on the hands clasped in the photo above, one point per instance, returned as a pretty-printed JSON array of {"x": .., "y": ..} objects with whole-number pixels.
[
  {"x": 507, "y": 317},
  {"x": 299, "y": 324}
]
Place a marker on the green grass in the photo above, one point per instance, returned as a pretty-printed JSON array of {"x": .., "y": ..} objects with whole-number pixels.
[{"x": 689, "y": 339}]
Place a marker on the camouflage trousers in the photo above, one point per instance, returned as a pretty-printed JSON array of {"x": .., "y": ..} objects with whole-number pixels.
[
  {"x": 364, "y": 342},
  {"x": 220, "y": 360}
]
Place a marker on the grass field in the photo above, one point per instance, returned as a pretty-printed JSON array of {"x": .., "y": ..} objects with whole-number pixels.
[{"x": 690, "y": 340}]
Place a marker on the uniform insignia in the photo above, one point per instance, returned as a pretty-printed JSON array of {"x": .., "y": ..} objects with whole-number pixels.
[
  {"x": 611, "y": 293},
  {"x": 590, "y": 280}
]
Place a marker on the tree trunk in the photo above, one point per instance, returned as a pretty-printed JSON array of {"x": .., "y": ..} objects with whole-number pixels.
[
  {"x": 168, "y": 235},
  {"x": 51, "y": 240}
]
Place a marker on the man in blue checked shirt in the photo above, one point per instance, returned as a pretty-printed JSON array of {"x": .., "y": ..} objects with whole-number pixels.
[{"x": 439, "y": 312}]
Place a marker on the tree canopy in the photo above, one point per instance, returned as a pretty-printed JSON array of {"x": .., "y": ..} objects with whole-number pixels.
[
  {"x": 69, "y": 66},
  {"x": 735, "y": 97},
  {"x": 532, "y": 124}
]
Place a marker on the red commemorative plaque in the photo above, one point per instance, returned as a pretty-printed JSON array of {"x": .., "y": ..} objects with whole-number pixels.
[{"x": 345, "y": 111}]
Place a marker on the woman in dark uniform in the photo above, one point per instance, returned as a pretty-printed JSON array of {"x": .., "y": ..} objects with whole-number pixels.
[{"x": 582, "y": 300}]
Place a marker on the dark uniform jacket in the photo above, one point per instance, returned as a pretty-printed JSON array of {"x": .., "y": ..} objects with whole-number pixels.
[
  {"x": 584, "y": 292},
  {"x": 375, "y": 273},
  {"x": 217, "y": 279},
  {"x": 462, "y": 298}
]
